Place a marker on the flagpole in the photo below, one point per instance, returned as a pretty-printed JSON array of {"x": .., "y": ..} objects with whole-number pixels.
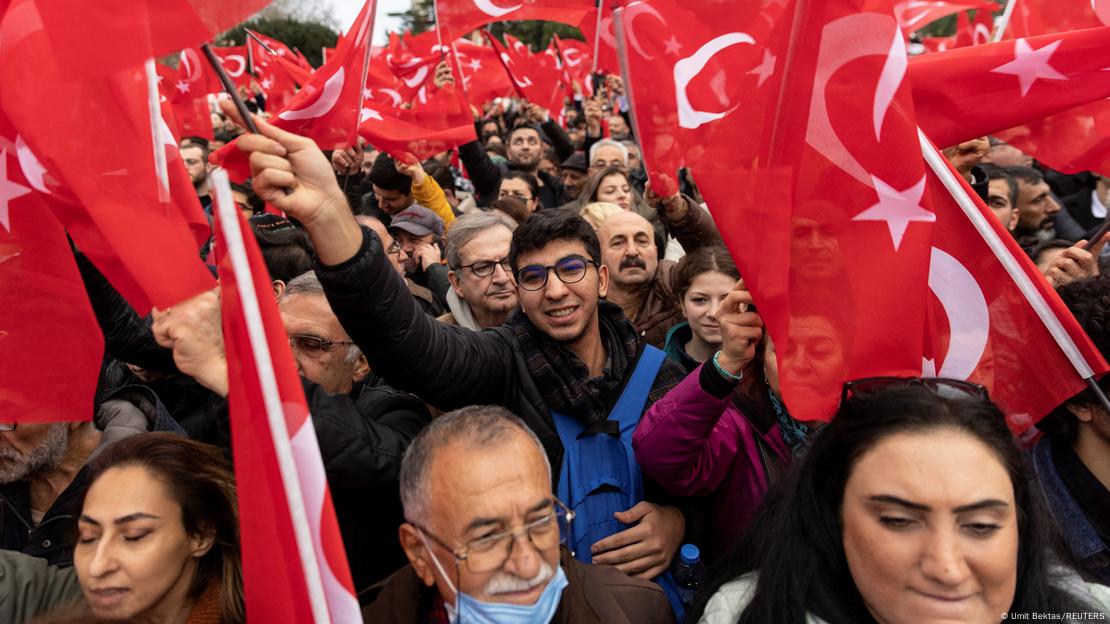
[
  {"x": 229, "y": 87},
  {"x": 275, "y": 413},
  {"x": 622, "y": 61},
  {"x": 161, "y": 167},
  {"x": 365, "y": 65},
  {"x": 1021, "y": 279},
  {"x": 597, "y": 35},
  {"x": 1004, "y": 21}
]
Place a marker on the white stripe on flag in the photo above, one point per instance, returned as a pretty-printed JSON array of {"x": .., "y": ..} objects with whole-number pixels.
[
  {"x": 275, "y": 413},
  {"x": 1005, "y": 258}
]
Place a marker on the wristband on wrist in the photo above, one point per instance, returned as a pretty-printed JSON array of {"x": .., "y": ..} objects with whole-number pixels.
[{"x": 724, "y": 373}]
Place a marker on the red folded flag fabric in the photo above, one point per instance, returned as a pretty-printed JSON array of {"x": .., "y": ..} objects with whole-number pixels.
[
  {"x": 970, "y": 92},
  {"x": 109, "y": 35},
  {"x": 994, "y": 320},
  {"x": 257, "y": 40},
  {"x": 778, "y": 135},
  {"x": 535, "y": 79},
  {"x": 436, "y": 126},
  {"x": 116, "y": 187},
  {"x": 462, "y": 16},
  {"x": 234, "y": 61},
  {"x": 914, "y": 15},
  {"x": 294, "y": 566},
  {"x": 46, "y": 323},
  {"x": 1040, "y": 17}
]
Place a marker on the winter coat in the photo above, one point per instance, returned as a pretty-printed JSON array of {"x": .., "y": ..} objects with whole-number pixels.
[
  {"x": 448, "y": 367},
  {"x": 696, "y": 442},
  {"x": 29, "y": 586},
  {"x": 594, "y": 594},
  {"x": 126, "y": 412},
  {"x": 486, "y": 174}
]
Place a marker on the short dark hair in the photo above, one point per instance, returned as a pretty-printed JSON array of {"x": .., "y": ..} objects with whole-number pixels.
[
  {"x": 526, "y": 126},
  {"x": 529, "y": 179},
  {"x": 994, "y": 172},
  {"x": 384, "y": 174},
  {"x": 286, "y": 250},
  {"x": 441, "y": 173},
  {"x": 1028, "y": 175},
  {"x": 1089, "y": 301},
  {"x": 547, "y": 226},
  {"x": 223, "y": 136},
  {"x": 254, "y": 202},
  {"x": 498, "y": 148}
]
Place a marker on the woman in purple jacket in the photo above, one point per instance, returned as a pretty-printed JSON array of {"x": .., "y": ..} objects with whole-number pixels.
[{"x": 719, "y": 433}]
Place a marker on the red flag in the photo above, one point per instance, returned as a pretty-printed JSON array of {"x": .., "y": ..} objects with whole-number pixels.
[
  {"x": 327, "y": 108},
  {"x": 46, "y": 323},
  {"x": 424, "y": 131},
  {"x": 109, "y": 35},
  {"x": 966, "y": 93},
  {"x": 1040, "y": 17},
  {"x": 96, "y": 137},
  {"x": 294, "y": 565},
  {"x": 977, "y": 32},
  {"x": 535, "y": 79},
  {"x": 462, "y": 16},
  {"x": 777, "y": 134},
  {"x": 915, "y": 14},
  {"x": 482, "y": 75},
  {"x": 260, "y": 43},
  {"x": 1070, "y": 142},
  {"x": 234, "y": 61},
  {"x": 994, "y": 319}
]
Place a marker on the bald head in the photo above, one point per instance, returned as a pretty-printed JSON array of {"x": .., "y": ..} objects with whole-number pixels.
[{"x": 628, "y": 249}]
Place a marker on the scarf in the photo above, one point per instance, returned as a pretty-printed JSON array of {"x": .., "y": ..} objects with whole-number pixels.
[
  {"x": 564, "y": 380},
  {"x": 460, "y": 309}
]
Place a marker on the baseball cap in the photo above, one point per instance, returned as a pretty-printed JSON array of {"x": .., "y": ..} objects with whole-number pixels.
[{"x": 419, "y": 221}]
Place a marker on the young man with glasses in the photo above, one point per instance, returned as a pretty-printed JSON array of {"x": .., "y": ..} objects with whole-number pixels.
[
  {"x": 482, "y": 535},
  {"x": 482, "y": 292},
  {"x": 570, "y": 364}
]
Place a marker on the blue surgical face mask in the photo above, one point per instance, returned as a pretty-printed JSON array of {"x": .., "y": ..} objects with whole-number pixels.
[{"x": 470, "y": 610}]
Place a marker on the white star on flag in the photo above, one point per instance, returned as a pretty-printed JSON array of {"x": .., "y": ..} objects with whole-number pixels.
[
  {"x": 182, "y": 86},
  {"x": 9, "y": 190},
  {"x": 1029, "y": 64},
  {"x": 673, "y": 46},
  {"x": 369, "y": 113},
  {"x": 765, "y": 69},
  {"x": 897, "y": 208},
  {"x": 266, "y": 83},
  {"x": 475, "y": 65}
]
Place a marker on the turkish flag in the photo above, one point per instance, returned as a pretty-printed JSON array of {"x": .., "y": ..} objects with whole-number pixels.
[
  {"x": 791, "y": 145},
  {"x": 1040, "y": 17},
  {"x": 535, "y": 76},
  {"x": 463, "y": 16},
  {"x": 234, "y": 61},
  {"x": 977, "y": 32},
  {"x": 602, "y": 36},
  {"x": 913, "y": 15},
  {"x": 109, "y": 35},
  {"x": 970, "y": 92},
  {"x": 46, "y": 323},
  {"x": 294, "y": 565},
  {"x": 483, "y": 76},
  {"x": 259, "y": 43},
  {"x": 116, "y": 189},
  {"x": 424, "y": 131},
  {"x": 991, "y": 311},
  {"x": 576, "y": 60}
]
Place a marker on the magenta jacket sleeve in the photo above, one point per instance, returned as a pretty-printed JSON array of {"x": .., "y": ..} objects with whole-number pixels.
[{"x": 689, "y": 440}]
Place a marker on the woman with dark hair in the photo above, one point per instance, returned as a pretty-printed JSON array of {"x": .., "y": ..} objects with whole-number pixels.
[
  {"x": 913, "y": 505},
  {"x": 159, "y": 535},
  {"x": 612, "y": 185},
  {"x": 716, "y": 434}
]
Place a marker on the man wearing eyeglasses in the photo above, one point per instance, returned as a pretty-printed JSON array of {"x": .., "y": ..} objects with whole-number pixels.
[
  {"x": 483, "y": 536},
  {"x": 482, "y": 292},
  {"x": 569, "y": 364}
]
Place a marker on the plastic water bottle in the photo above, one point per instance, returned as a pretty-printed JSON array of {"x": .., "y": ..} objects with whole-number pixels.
[{"x": 689, "y": 574}]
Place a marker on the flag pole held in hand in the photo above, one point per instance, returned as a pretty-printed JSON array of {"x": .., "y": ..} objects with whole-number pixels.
[{"x": 229, "y": 87}]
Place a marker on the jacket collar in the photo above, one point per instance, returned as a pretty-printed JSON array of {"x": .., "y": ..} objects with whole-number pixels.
[{"x": 1080, "y": 534}]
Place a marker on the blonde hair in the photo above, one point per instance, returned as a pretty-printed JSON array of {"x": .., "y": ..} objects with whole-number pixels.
[{"x": 595, "y": 213}]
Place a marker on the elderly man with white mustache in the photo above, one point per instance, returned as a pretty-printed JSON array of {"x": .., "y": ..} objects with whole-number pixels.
[{"x": 483, "y": 536}]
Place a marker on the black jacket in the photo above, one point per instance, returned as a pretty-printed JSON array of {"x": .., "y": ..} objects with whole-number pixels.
[
  {"x": 486, "y": 175},
  {"x": 125, "y": 412},
  {"x": 449, "y": 367},
  {"x": 362, "y": 438}
]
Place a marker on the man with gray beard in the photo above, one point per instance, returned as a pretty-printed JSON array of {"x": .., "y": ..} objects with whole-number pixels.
[
  {"x": 482, "y": 535},
  {"x": 42, "y": 471}
]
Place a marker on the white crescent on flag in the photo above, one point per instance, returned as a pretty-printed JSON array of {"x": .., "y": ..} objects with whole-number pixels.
[
  {"x": 686, "y": 69},
  {"x": 329, "y": 95},
  {"x": 969, "y": 318},
  {"x": 491, "y": 9}
]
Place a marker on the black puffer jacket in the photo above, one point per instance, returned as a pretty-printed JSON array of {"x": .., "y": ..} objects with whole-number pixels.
[{"x": 447, "y": 366}]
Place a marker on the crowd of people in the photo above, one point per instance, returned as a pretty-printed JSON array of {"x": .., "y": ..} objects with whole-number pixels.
[{"x": 542, "y": 394}]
